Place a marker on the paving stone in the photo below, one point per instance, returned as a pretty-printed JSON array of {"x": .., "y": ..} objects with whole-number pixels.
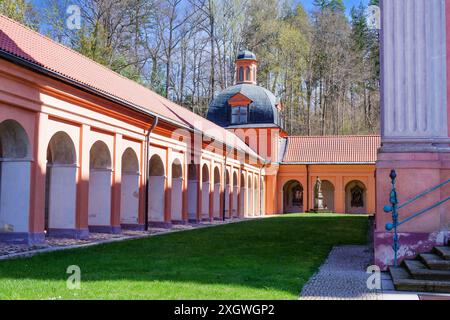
[{"x": 343, "y": 276}]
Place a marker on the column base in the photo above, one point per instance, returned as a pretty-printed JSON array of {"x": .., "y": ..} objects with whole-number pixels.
[
  {"x": 105, "y": 229},
  {"x": 26, "y": 238},
  {"x": 179, "y": 223},
  {"x": 69, "y": 233},
  {"x": 160, "y": 225},
  {"x": 411, "y": 244},
  {"x": 133, "y": 227}
]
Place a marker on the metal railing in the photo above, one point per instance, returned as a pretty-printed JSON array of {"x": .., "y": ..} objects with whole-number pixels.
[{"x": 394, "y": 208}]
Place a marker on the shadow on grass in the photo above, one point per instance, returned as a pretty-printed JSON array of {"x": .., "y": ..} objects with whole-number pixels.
[{"x": 275, "y": 256}]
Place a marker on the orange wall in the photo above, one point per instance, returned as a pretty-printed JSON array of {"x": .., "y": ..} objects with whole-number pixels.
[{"x": 338, "y": 175}]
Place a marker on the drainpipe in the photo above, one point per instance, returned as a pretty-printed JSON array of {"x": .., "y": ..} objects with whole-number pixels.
[
  {"x": 147, "y": 169},
  {"x": 307, "y": 186}
]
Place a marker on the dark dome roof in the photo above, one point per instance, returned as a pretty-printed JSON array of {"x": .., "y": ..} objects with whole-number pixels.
[
  {"x": 246, "y": 55},
  {"x": 263, "y": 110}
]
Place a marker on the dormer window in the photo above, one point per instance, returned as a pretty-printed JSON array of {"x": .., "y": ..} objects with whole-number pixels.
[{"x": 239, "y": 115}]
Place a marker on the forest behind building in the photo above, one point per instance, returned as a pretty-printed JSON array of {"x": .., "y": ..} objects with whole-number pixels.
[{"x": 322, "y": 64}]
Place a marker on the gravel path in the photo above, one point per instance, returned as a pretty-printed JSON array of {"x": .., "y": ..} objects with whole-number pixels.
[{"x": 343, "y": 276}]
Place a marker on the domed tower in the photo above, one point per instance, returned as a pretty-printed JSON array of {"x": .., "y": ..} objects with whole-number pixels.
[{"x": 250, "y": 111}]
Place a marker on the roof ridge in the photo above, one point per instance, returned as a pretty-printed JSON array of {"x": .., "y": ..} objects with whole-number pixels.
[
  {"x": 338, "y": 136},
  {"x": 67, "y": 48}
]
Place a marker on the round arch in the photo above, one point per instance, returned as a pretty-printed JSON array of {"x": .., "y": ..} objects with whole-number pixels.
[
  {"x": 206, "y": 190},
  {"x": 216, "y": 196},
  {"x": 356, "y": 197},
  {"x": 156, "y": 166},
  {"x": 14, "y": 177},
  {"x": 242, "y": 197},
  {"x": 61, "y": 186},
  {"x": 14, "y": 142},
  {"x": 328, "y": 192},
  {"x": 100, "y": 179},
  {"x": 177, "y": 191},
  {"x": 192, "y": 192},
  {"x": 250, "y": 196},
  {"x": 256, "y": 196},
  {"x": 129, "y": 189},
  {"x": 234, "y": 199},
  {"x": 157, "y": 188},
  {"x": 228, "y": 193},
  {"x": 293, "y": 197}
]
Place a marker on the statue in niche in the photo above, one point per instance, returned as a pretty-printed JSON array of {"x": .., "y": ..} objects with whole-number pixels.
[
  {"x": 319, "y": 204},
  {"x": 357, "y": 197},
  {"x": 297, "y": 198}
]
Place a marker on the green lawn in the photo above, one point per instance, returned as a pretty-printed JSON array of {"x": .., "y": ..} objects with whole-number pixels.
[{"x": 264, "y": 259}]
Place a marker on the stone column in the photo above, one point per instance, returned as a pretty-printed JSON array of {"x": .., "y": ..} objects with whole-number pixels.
[
  {"x": 414, "y": 123},
  {"x": 413, "y": 68}
]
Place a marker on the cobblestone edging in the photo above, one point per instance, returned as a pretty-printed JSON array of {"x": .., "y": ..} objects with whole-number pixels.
[
  {"x": 8, "y": 251},
  {"x": 343, "y": 276}
]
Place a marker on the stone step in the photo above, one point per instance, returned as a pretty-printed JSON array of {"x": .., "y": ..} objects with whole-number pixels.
[
  {"x": 443, "y": 252},
  {"x": 435, "y": 262},
  {"x": 403, "y": 281},
  {"x": 419, "y": 271}
]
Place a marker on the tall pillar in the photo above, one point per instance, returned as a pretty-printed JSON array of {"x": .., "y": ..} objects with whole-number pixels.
[
  {"x": 116, "y": 184},
  {"x": 168, "y": 190},
  {"x": 414, "y": 122}
]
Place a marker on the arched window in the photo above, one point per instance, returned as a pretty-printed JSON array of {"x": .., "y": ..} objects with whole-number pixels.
[
  {"x": 241, "y": 74},
  {"x": 248, "y": 74}
]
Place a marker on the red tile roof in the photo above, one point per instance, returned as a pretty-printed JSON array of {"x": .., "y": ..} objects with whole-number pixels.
[
  {"x": 26, "y": 44},
  {"x": 332, "y": 149}
]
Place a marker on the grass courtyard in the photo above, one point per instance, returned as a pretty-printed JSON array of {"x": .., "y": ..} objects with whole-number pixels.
[{"x": 263, "y": 259}]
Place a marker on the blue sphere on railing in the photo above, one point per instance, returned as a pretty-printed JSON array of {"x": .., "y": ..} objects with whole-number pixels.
[
  {"x": 389, "y": 226},
  {"x": 388, "y": 209},
  {"x": 393, "y": 175}
]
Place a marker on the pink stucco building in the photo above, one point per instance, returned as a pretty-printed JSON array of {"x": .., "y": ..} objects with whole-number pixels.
[{"x": 415, "y": 123}]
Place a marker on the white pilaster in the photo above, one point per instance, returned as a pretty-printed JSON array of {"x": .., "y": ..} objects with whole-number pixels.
[{"x": 414, "y": 81}]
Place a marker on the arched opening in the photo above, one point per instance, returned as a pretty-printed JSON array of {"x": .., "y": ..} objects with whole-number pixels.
[
  {"x": 100, "y": 173},
  {"x": 177, "y": 191},
  {"x": 235, "y": 196},
  {"x": 241, "y": 74},
  {"x": 328, "y": 195},
  {"x": 248, "y": 74},
  {"x": 129, "y": 189},
  {"x": 61, "y": 187},
  {"x": 263, "y": 197},
  {"x": 206, "y": 189},
  {"x": 250, "y": 212},
  {"x": 15, "y": 168},
  {"x": 356, "y": 197},
  {"x": 242, "y": 197},
  {"x": 293, "y": 197},
  {"x": 216, "y": 196},
  {"x": 192, "y": 192},
  {"x": 227, "y": 193},
  {"x": 157, "y": 186},
  {"x": 256, "y": 197}
]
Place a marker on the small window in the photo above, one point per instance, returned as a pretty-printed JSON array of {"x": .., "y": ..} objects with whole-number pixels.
[
  {"x": 241, "y": 74},
  {"x": 239, "y": 115},
  {"x": 248, "y": 74}
]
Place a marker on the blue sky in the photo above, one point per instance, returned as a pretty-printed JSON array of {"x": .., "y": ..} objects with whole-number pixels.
[{"x": 308, "y": 4}]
